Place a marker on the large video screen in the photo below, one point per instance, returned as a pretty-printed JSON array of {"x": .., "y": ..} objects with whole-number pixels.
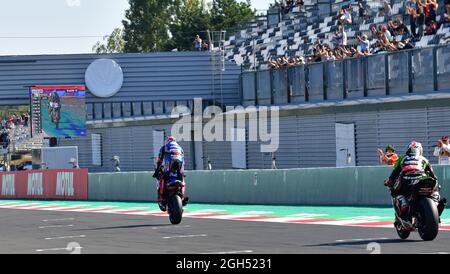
[{"x": 58, "y": 111}]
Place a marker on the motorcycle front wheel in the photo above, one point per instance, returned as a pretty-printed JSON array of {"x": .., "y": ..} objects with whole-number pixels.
[
  {"x": 428, "y": 219},
  {"x": 175, "y": 209}
]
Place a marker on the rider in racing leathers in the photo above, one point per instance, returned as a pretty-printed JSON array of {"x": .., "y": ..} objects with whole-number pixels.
[
  {"x": 54, "y": 103},
  {"x": 170, "y": 164},
  {"x": 408, "y": 168}
]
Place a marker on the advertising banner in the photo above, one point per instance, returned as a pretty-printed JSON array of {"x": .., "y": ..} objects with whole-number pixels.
[{"x": 61, "y": 184}]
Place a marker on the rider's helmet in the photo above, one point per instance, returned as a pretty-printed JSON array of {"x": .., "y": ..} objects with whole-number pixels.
[
  {"x": 171, "y": 139},
  {"x": 415, "y": 149}
]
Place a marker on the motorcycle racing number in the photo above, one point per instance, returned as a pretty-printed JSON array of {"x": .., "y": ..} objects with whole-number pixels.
[{"x": 246, "y": 263}]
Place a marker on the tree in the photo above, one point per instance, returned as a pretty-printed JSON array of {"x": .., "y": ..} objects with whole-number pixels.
[
  {"x": 191, "y": 18},
  {"x": 113, "y": 43},
  {"x": 146, "y": 27},
  {"x": 161, "y": 25},
  {"x": 230, "y": 14}
]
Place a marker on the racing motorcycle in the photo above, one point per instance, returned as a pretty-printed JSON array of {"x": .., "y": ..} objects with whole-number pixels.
[
  {"x": 173, "y": 195},
  {"x": 423, "y": 215},
  {"x": 55, "y": 113}
]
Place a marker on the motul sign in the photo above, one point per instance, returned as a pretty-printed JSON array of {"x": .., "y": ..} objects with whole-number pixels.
[
  {"x": 68, "y": 184},
  {"x": 8, "y": 185},
  {"x": 35, "y": 187},
  {"x": 64, "y": 184}
]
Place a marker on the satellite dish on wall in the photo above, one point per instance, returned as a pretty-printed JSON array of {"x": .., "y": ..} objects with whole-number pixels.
[{"x": 104, "y": 78}]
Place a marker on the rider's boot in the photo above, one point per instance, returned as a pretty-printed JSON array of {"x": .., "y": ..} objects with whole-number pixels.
[
  {"x": 441, "y": 206},
  {"x": 161, "y": 202},
  {"x": 185, "y": 200}
]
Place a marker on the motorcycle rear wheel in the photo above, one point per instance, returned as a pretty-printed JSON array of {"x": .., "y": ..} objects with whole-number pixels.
[
  {"x": 175, "y": 210},
  {"x": 429, "y": 219}
]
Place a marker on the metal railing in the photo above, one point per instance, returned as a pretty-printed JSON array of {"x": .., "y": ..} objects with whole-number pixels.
[{"x": 415, "y": 71}]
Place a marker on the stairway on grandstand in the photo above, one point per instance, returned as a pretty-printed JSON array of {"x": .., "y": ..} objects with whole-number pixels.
[{"x": 298, "y": 29}]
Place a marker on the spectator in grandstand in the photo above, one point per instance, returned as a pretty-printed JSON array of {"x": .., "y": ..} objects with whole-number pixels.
[
  {"x": 432, "y": 10},
  {"x": 363, "y": 46},
  {"x": 387, "y": 9},
  {"x": 362, "y": 11},
  {"x": 445, "y": 40},
  {"x": 420, "y": 20},
  {"x": 383, "y": 43},
  {"x": 432, "y": 27},
  {"x": 389, "y": 157},
  {"x": 387, "y": 33},
  {"x": 287, "y": 6},
  {"x": 344, "y": 17},
  {"x": 410, "y": 4},
  {"x": 340, "y": 37},
  {"x": 446, "y": 17},
  {"x": 443, "y": 151},
  {"x": 412, "y": 20},
  {"x": 400, "y": 28},
  {"x": 198, "y": 42},
  {"x": 390, "y": 26},
  {"x": 205, "y": 46}
]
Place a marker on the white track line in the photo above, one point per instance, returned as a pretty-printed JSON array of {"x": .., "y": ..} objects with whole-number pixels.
[
  {"x": 56, "y": 249},
  {"x": 185, "y": 236},
  {"x": 56, "y": 226},
  {"x": 170, "y": 227},
  {"x": 230, "y": 252},
  {"x": 66, "y": 237},
  {"x": 361, "y": 240},
  {"x": 57, "y": 220}
]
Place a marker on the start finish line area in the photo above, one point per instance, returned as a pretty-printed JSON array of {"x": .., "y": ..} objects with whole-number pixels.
[
  {"x": 324, "y": 215},
  {"x": 69, "y": 227}
]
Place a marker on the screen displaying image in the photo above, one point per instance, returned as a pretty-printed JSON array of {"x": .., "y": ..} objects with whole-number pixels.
[{"x": 58, "y": 111}]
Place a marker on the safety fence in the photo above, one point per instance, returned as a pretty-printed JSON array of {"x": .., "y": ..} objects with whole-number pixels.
[{"x": 416, "y": 71}]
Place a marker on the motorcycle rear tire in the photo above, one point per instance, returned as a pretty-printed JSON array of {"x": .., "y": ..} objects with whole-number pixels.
[
  {"x": 429, "y": 221},
  {"x": 175, "y": 210}
]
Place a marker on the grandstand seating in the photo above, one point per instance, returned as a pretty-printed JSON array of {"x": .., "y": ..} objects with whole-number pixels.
[{"x": 297, "y": 31}]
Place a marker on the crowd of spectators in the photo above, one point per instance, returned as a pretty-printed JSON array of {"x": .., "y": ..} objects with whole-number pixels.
[
  {"x": 14, "y": 121},
  {"x": 286, "y": 62},
  {"x": 423, "y": 16},
  {"x": 391, "y": 36},
  {"x": 287, "y": 5}
]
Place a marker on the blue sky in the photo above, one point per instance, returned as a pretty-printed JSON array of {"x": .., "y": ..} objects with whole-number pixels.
[{"x": 22, "y": 21}]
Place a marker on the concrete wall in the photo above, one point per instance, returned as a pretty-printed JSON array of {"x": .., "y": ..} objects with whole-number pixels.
[{"x": 325, "y": 186}]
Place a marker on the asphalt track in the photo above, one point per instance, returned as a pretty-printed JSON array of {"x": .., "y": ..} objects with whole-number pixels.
[{"x": 53, "y": 232}]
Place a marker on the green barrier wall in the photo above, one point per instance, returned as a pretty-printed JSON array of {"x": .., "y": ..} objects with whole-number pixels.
[
  {"x": 138, "y": 186},
  {"x": 318, "y": 186}
]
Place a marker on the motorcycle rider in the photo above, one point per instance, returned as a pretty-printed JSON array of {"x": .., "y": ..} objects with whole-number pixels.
[
  {"x": 170, "y": 168},
  {"x": 408, "y": 168},
  {"x": 54, "y": 103}
]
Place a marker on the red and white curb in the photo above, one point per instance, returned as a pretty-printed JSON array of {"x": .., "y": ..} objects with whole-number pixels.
[{"x": 296, "y": 219}]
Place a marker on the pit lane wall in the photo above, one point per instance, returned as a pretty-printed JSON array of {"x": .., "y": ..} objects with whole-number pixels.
[{"x": 354, "y": 186}]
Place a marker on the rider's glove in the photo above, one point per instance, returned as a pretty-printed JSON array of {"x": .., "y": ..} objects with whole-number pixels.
[{"x": 388, "y": 183}]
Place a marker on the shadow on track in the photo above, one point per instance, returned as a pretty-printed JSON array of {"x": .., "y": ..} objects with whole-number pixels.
[
  {"x": 366, "y": 242},
  {"x": 126, "y": 226}
]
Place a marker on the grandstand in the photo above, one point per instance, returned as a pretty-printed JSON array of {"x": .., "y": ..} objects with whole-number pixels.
[{"x": 297, "y": 30}]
